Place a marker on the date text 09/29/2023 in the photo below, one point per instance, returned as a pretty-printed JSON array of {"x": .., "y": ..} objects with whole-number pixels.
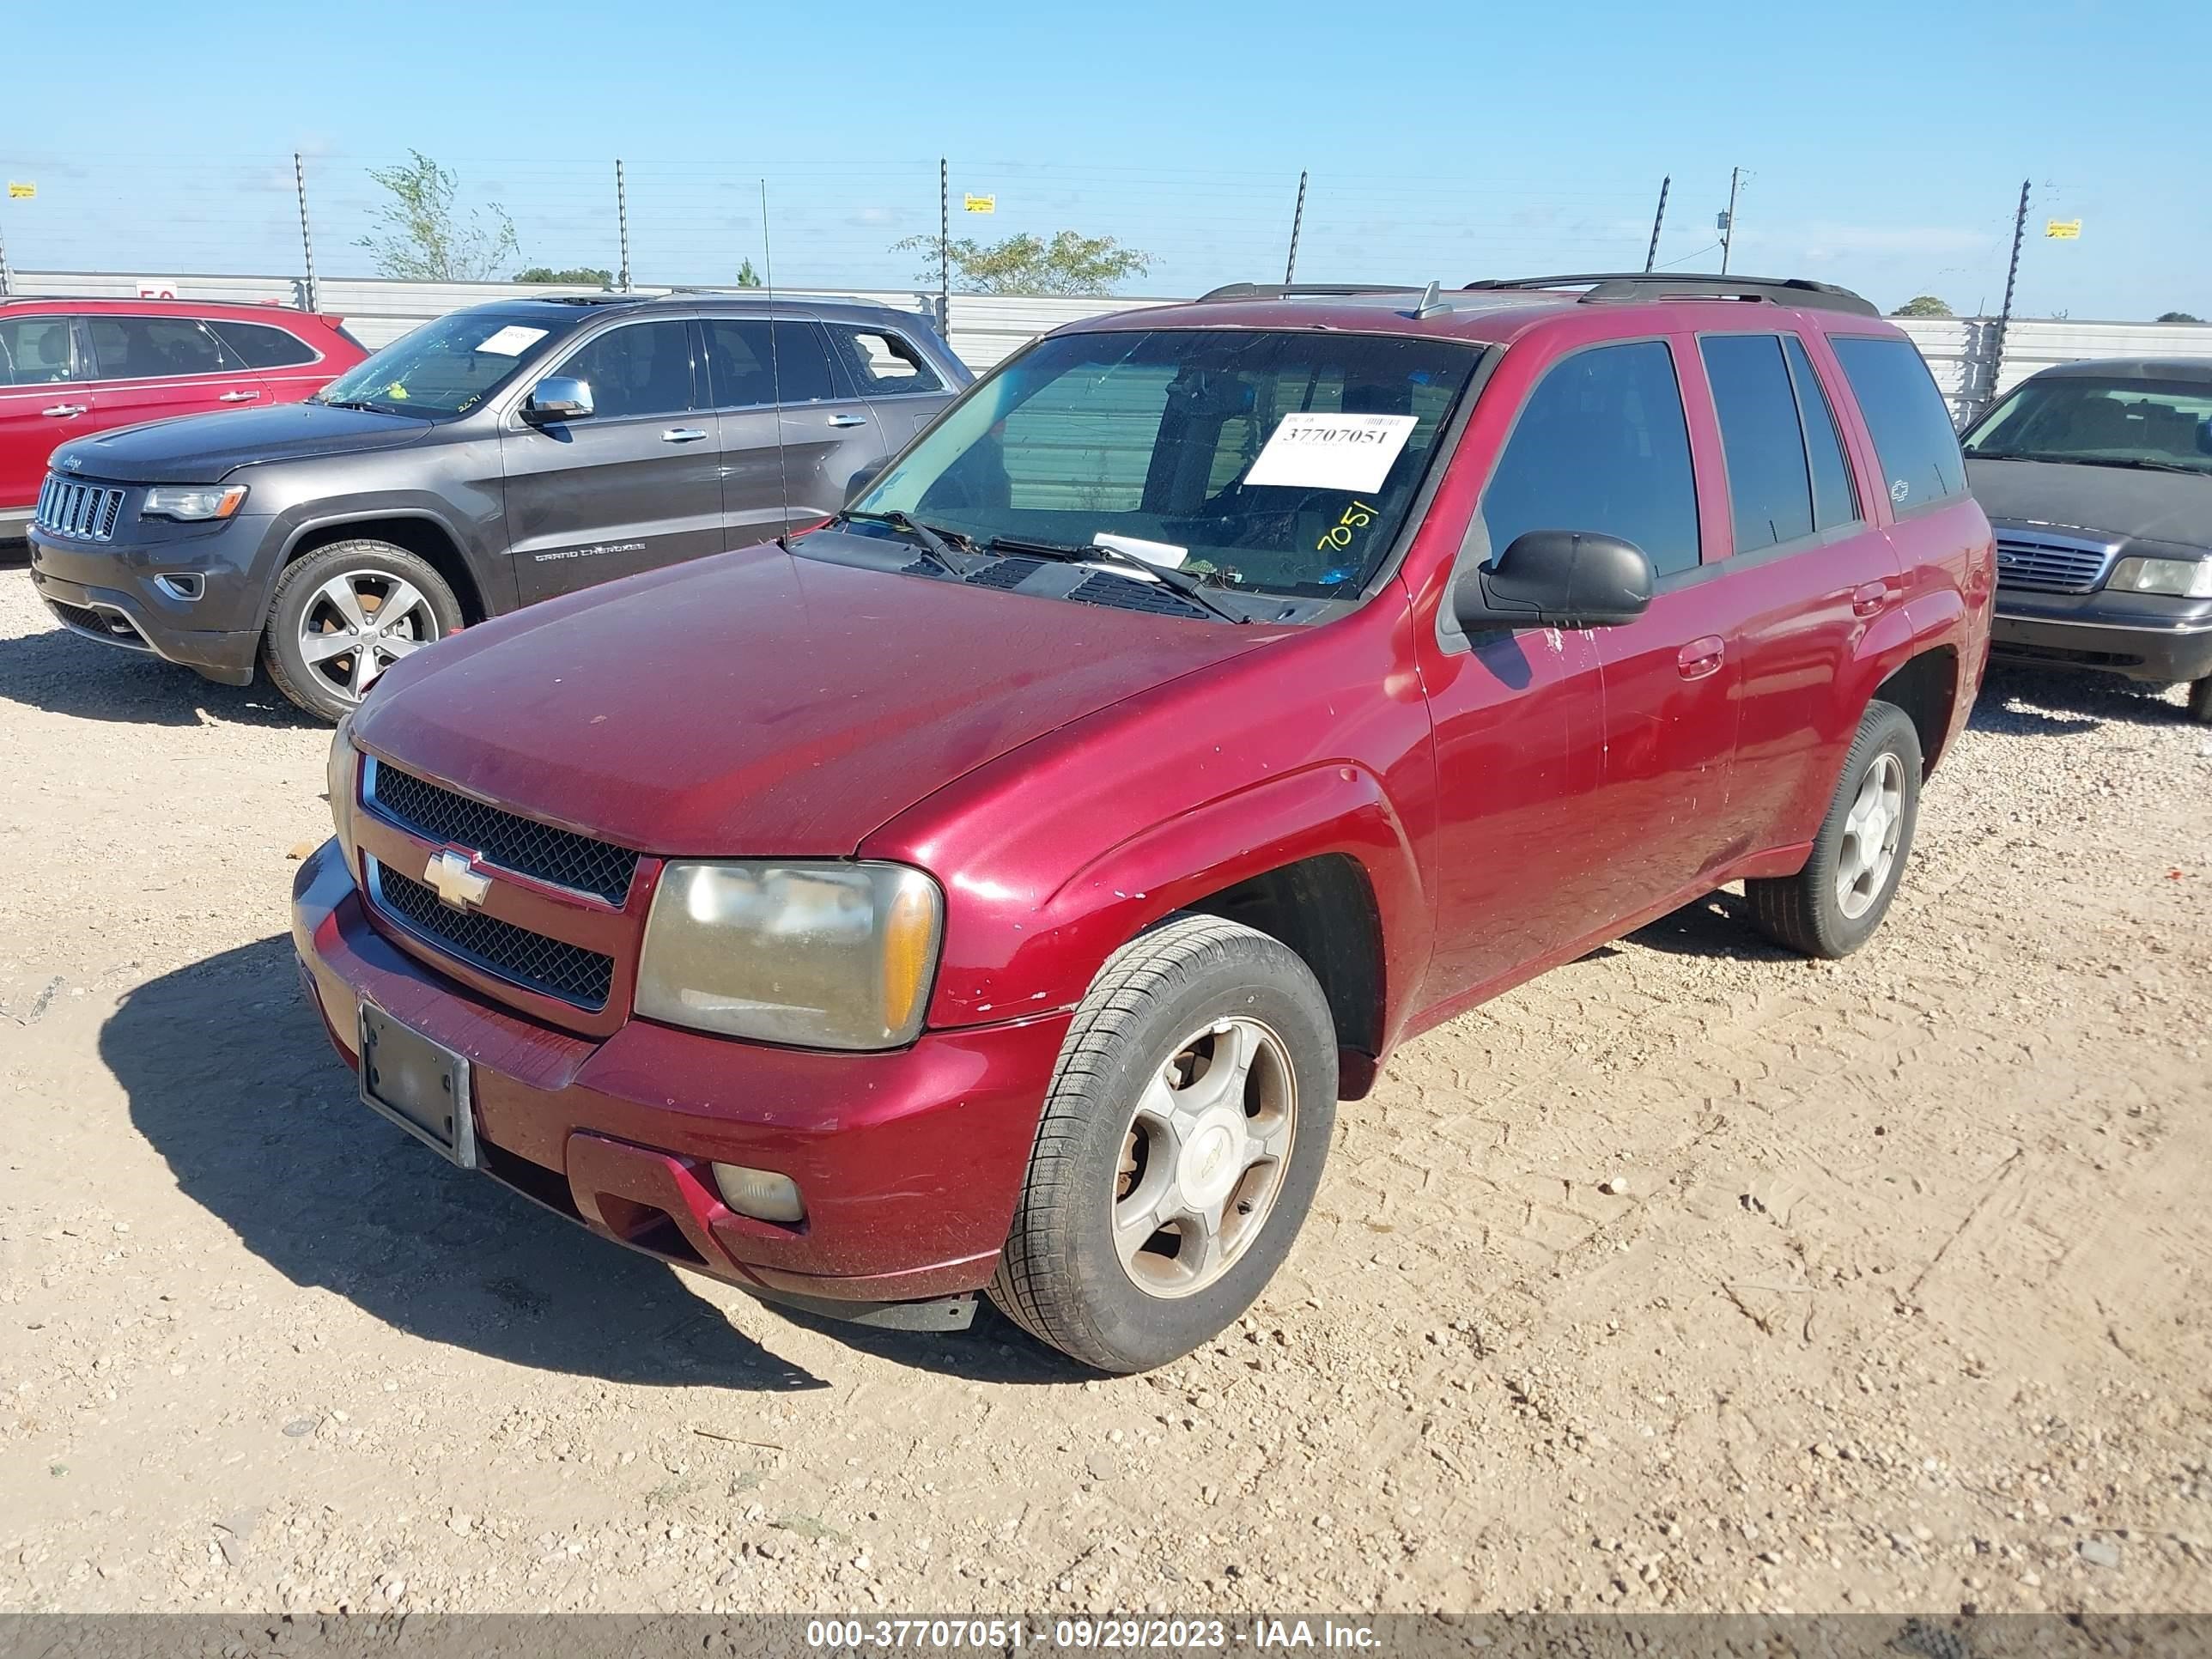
[{"x": 1146, "y": 1635}]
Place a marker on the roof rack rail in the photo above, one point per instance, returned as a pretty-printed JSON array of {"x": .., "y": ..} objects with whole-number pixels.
[
  {"x": 1297, "y": 290},
  {"x": 1619, "y": 285}
]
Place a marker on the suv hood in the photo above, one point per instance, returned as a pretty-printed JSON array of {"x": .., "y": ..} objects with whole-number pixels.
[
  {"x": 2118, "y": 502},
  {"x": 760, "y": 703},
  {"x": 203, "y": 448}
]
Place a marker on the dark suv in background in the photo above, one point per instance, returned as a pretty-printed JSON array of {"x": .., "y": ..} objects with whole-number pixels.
[{"x": 498, "y": 456}]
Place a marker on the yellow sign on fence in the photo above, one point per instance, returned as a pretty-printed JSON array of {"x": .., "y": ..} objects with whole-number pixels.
[
  {"x": 20, "y": 192},
  {"x": 982, "y": 203},
  {"x": 2065, "y": 230}
]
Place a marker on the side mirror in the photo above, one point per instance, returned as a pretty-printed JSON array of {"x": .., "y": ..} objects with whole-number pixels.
[
  {"x": 557, "y": 398},
  {"x": 1556, "y": 578},
  {"x": 863, "y": 476}
]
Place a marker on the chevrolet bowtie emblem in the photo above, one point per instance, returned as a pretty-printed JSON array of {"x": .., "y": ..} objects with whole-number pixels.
[{"x": 458, "y": 883}]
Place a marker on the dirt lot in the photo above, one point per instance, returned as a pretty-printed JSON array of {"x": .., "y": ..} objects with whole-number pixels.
[{"x": 1692, "y": 1276}]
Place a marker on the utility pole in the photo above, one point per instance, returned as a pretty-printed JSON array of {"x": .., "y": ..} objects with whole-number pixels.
[
  {"x": 1727, "y": 219},
  {"x": 7, "y": 285},
  {"x": 1297, "y": 218},
  {"x": 311, "y": 296},
  {"x": 622, "y": 223},
  {"x": 2012, "y": 275},
  {"x": 1657, "y": 220},
  {"x": 945, "y": 248}
]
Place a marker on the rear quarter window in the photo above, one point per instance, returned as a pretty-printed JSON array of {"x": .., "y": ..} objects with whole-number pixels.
[
  {"x": 262, "y": 346},
  {"x": 1911, "y": 429}
]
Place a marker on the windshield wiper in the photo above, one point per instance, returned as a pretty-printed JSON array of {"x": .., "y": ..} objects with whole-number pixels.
[
  {"x": 935, "y": 541},
  {"x": 355, "y": 403},
  {"x": 2138, "y": 462},
  {"x": 1099, "y": 553}
]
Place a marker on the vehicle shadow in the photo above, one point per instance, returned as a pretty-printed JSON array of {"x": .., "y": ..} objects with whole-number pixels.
[
  {"x": 231, "y": 1078},
  {"x": 1717, "y": 925},
  {"x": 2018, "y": 700},
  {"x": 63, "y": 674}
]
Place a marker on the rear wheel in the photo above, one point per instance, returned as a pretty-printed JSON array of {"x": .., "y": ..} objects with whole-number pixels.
[
  {"x": 1832, "y": 906},
  {"x": 1180, "y": 1144},
  {"x": 2200, "y": 701},
  {"x": 344, "y": 614}
]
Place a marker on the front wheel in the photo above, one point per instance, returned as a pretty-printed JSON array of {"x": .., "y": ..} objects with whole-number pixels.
[
  {"x": 1832, "y": 906},
  {"x": 344, "y": 614},
  {"x": 1180, "y": 1144}
]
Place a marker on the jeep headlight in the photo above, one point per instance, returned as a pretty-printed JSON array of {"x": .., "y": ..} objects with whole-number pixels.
[
  {"x": 193, "y": 503},
  {"x": 817, "y": 954},
  {"x": 2184, "y": 579}
]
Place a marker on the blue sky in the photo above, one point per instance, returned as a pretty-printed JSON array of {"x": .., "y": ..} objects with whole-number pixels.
[{"x": 1884, "y": 145}]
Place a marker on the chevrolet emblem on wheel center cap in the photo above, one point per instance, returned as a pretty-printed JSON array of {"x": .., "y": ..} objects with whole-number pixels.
[{"x": 458, "y": 882}]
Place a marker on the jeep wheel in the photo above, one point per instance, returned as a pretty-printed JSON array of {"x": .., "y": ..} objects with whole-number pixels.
[
  {"x": 2200, "y": 701},
  {"x": 345, "y": 613},
  {"x": 1182, "y": 1137},
  {"x": 1832, "y": 906}
]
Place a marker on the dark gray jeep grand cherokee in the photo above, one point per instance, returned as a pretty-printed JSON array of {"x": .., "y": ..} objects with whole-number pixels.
[{"x": 497, "y": 456}]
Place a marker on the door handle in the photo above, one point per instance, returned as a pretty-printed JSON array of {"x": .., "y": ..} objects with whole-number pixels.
[
  {"x": 681, "y": 435},
  {"x": 1869, "y": 598},
  {"x": 848, "y": 420},
  {"x": 63, "y": 411},
  {"x": 238, "y": 396},
  {"x": 1700, "y": 657}
]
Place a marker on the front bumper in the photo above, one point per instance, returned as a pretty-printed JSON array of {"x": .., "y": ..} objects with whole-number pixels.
[
  {"x": 2131, "y": 642},
  {"x": 111, "y": 591},
  {"x": 909, "y": 1163}
]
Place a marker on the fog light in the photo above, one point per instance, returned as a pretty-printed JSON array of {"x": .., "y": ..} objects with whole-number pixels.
[{"x": 761, "y": 1194}]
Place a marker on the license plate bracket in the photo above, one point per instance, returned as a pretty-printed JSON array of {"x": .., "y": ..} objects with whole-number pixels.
[{"x": 421, "y": 1085}]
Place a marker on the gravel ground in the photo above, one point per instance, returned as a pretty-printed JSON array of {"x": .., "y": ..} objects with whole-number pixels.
[{"x": 1692, "y": 1276}]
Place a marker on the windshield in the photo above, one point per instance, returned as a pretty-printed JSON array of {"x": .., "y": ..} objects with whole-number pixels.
[
  {"x": 443, "y": 368},
  {"x": 1279, "y": 463},
  {"x": 2112, "y": 422}
]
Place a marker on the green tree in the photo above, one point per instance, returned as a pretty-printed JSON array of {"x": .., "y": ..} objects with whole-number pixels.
[
  {"x": 1070, "y": 263},
  {"x": 2178, "y": 317},
  {"x": 574, "y": 275},
  {"x": 747, "y": 276},
  {"x": 1923, "y": 305},
  {"x": 424, "y": 235}
]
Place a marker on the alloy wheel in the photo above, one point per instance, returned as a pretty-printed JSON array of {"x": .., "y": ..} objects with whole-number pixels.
[
  {"x": 1204, "y": 1157},
  {"x": 1871, "y": 832},
  {"x": 358, "y": 623}
]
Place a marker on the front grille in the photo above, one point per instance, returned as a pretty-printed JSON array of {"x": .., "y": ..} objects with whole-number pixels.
[
  {"x": 1136, "y": 594},
  {"x": 81, "y": 511},
  {"x": 532, "y": 960},
  {"x": 505, "y": 838},
  {"x": 2051, "y": 564},
  {"x": 109, "y": 625}
]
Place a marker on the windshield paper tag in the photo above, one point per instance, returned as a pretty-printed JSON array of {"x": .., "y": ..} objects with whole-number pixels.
[
  {"x": 1331, "y": 451},
  {"x": 512, "y": 341}
]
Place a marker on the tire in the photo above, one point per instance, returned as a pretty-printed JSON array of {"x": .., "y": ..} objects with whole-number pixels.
[
  {"x": 2200, "y": 701},
  {"x": 1809, "y": 911},
  {"x": 305, "y": 605},
  {"x": 1170, "y": 1006}
]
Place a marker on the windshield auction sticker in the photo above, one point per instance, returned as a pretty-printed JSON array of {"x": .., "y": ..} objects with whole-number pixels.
[{"x": 1331, "y": 451}]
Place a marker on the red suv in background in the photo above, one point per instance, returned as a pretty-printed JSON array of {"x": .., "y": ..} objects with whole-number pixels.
[
  {"x": 1000, "y": 883},
  {"x": 72, "y": 368}
]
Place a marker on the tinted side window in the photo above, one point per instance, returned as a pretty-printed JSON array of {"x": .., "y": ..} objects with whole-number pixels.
[
  {"x": 260, "y": 346},
  {"x": 881, "y": 363},
  {"x": 640, "y": 369},
  {"x": 155, "y": 349},
  {"x": 1835, "y": 498},
  {"x": 1770, "y": 493},
  {"x": 1911, "y": 429},
  {"x": 38, "y": 351},
  {"x": 1601, "y": 445},
  {"x": 745, "y": 374}
]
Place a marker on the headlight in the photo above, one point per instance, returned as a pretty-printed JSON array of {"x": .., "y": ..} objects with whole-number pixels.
[
  {"x": 193, "y": 502},
  {"x": 2185, "y": 579},
  {"x": 340, "y": 775},
  {"x": 820, "y": 955}
]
